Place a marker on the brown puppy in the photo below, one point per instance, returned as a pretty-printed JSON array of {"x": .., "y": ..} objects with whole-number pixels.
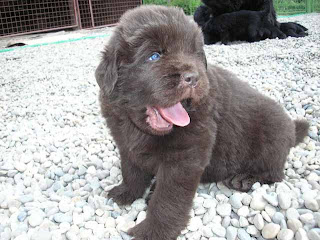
[{"x": 176, "y": 118}]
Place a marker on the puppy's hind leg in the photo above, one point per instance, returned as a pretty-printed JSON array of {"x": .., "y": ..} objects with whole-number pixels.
[
  {"x": 135, "y": 181},
  {"x": 243, "y": 182}
]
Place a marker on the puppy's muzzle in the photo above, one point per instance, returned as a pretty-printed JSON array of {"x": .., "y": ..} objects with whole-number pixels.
[{"x": 190, "y": 79}]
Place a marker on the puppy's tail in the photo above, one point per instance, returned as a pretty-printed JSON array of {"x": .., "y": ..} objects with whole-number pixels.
[{"x": 302, "y": 127}]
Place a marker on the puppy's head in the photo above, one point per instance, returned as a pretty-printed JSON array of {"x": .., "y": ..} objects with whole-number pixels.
[{"x": 154, "y": 68}]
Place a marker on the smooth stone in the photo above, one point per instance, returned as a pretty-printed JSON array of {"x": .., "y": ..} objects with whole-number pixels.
[
  {"x": 64, "y": 206},
  {"x": 282, "y": 188},
  {"x": 311, "y": 204},
  {"x": 258, "y": 221},
  {"x": 207, "y": 232},
  {"x": 266, "y": 216},
  {"x": 284, "y": 200},
  {"x": 270, "y": 230},
  {"x": 231, "y": 233},
  {"x": 92, "y": 170},
  {"x": 209, "y": 215},
  {"x": 277, "y": 217},
  {"x": 23, "y": 236},
  {"x": 209, "y": 203},
  {"x": 301, "y": 234},
  {"x": 26, "y": 198},
  {"x": 283, "y": 224},
  {"x": 200, "y": 211},
  {"x": 91, "y": 225},
  {"x": 82, "y": 170},
  {"x": 42, "y": 234},
  {"x": 314, "y": 234},
  {"x": 243, "y": 235},
  {"x": 307, "y": 218},
  {"x": 110, "y": 222},
  {"x": 224, "y": 209},
  {"x": 22, "y": 216},
  {"x": 67, "y": 178},
  {"x": 226, "y": 221},
  {"x": 246, "y": 199},
  {"x": 56, "y": 186},
  {"x": 235, "y": 223},
  {"x": 218, "y": 230},
  {"x": 243, "y": 211},
  {"x": 252, "y": 230},
  {"x": 125, "y": 236},
  {"x": 243, "y": 222},
  {"x": 61, "y": 217},
  {"x": 35, "y": 219},
  {"x": 292, "y": 213},
  {"x": 270, "y": 210},
  {"x": 294, "y": 224},
  {"x": 20, "y": 166},
  {"x": 64, "y": 227},
  {"x": 195, "y": 224},
  {"x": 258, "y": 202},
  {"x": 235, "y": 200},
  {"x": 285, "y": 234},
  {"x": 271, "y": 198}
]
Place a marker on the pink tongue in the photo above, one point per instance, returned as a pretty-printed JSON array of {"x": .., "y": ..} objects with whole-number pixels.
[{"x": 176, "y": 115}]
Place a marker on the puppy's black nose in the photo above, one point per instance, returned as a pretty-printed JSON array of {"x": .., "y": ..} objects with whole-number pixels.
[{"x": 191, "y": 78}]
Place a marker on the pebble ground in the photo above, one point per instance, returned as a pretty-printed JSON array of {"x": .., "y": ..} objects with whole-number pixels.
[{"x": 57, "y": 159}]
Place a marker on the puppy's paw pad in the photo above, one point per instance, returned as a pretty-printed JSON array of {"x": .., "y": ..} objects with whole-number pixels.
[
  {"x": 241, "y": 182},
  {"x": 121, "y": 195}
]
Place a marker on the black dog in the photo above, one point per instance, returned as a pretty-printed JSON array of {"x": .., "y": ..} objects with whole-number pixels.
[
  {"x": 175, "y": 117},
  {"x": 243, "y": 25},
  {"x": 205, "y": 17}
]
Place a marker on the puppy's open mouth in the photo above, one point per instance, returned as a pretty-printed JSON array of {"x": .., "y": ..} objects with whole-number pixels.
[{"x": 163, "y": 119}]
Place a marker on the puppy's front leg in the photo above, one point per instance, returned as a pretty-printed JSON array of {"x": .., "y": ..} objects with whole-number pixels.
[
  {"x": 135, "y": 181},
  {"x": 171, "y": 202}
]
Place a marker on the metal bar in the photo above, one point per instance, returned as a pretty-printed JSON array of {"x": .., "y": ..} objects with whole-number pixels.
[
  {"x": 78, "y": 13},
  {"x": 91, "y": 13}
]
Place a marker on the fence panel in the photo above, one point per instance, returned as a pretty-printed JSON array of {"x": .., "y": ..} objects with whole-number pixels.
[
  {"x": 26, "y": 16},
  {"x": 96, "y": 13}
]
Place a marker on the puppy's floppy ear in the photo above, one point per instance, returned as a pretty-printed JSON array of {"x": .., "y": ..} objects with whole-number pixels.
[{"x": 107, "y": 72}]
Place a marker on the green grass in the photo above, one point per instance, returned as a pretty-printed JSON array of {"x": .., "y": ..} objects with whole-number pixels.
[
  {"x": 316, "y": 5},
  {"x": 189, "y": 6},
  {"x": 289, "y": 7}
]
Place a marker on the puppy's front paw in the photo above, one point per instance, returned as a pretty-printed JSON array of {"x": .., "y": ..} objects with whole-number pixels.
[
  {"x": 121, "y": 195},
  {"x": 147, "y": 231}
]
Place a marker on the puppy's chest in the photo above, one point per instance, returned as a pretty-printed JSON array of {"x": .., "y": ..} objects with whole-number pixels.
[
  {"x": 153, "y": 154},
  {"x": 149, "y": 162}
]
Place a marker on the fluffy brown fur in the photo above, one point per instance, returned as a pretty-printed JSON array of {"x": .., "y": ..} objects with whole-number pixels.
[{"x": 235, "y": 133}]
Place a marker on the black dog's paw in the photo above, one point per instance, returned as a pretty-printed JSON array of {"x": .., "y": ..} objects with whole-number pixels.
[
  {"x": 121, "y": 195},
  {"x": 147, "y": 231},
  {"x": 241, "y": 182},
  {"x": 293, "y": 29}
]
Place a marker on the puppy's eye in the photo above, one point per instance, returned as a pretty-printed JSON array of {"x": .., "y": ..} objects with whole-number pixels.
[{"x": 154, "y": 57}]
